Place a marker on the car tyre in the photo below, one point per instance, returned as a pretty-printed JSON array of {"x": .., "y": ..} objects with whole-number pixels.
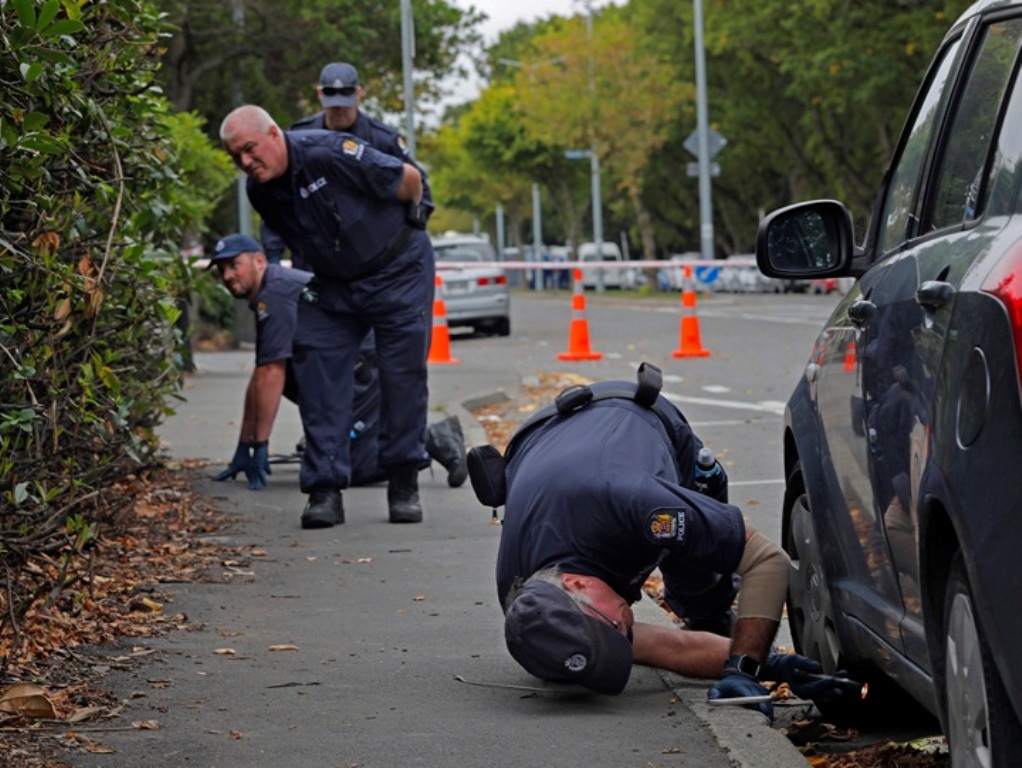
[
  {"x": 980, "y": 723},
  {"x": 812, "y": 622},
  {"x": 503, "y": 327}
]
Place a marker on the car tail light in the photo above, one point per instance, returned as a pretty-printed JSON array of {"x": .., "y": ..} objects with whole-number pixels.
[
  {"x": 1005, "y": 282},
  {"x": 501, "y": 280}
]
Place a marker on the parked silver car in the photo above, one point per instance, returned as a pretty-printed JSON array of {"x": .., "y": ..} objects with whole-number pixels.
[{"x": 474, "y": 296}]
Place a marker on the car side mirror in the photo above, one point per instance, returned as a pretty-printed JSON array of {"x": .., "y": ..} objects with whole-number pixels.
[{"x": 806, "y": 240}]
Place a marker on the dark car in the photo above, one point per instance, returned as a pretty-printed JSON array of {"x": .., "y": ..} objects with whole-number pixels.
[{"x": 903, "y": 438}]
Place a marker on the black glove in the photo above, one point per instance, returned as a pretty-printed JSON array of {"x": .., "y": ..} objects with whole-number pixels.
[
  {"x": 258, "y": 466},
  {"x": 735, "y": 685},
  {"x": 799, "y": 672},
  {"x": 240, "y": 462}
]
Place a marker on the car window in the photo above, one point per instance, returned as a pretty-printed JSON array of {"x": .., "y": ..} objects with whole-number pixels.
[
  {"x": 1001, "y": 194},
  {"x": 960, "y": 175},
  {"x": 898, "y": 212},
  {"x": 466, "y": 252}
]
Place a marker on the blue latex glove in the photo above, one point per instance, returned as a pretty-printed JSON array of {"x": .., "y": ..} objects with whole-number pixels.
[
  {"x": 734, "y": 685},
  {"x": 240, "y": 462},
  {"x": 796, "y": 671},
  {"x": 256, "y": 469}
]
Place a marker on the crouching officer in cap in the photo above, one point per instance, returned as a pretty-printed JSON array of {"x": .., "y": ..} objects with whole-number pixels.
[
  {"x": 600, "y": 491},
  {"x": 341, "y": 205},
  {"x": 273, "y": 292}
]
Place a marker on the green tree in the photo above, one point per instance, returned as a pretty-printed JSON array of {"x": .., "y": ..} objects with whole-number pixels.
[
  {"x": 607, "y": 91},
  {"x": 94, "y": 201}
]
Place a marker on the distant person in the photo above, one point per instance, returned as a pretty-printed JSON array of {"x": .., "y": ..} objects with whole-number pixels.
[
  {"x": 273, "y": 292},
  {"x": 342, "y": 205},
  {"x": 339, "y": 93}
]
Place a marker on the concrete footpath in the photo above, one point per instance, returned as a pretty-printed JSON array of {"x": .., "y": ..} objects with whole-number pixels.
[{"x": 397, "y": 652}]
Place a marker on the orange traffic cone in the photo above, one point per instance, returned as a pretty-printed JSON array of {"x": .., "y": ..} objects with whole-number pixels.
[
  {"x": 690, "y": 344},
  {"x": 578, "y": 332},
  {"x": 850, "y": 357},
  {"x": 440, "y": 345}
]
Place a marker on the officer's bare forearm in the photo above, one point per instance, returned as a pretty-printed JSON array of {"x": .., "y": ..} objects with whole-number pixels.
[
  {"x": 411, "y": 185},
  {"x": 693, "y": 654},
  {"x": 267, "y": 387},
  {"x": 753, "y": 637}
]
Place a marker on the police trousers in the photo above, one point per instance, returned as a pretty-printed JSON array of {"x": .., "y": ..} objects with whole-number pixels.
[{"x": 396, "y": 304}]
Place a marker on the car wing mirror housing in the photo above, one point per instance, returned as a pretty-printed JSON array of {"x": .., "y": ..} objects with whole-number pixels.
[{"x": 806, "y": 240}]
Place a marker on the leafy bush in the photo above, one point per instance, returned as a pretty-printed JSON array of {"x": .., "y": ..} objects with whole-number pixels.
[{"x": 95, "y": 198}]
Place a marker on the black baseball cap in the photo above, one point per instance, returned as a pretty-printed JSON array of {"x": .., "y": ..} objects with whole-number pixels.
[
  {"x": 233, "y": 245},
  {"x": 547, "y": 633}
]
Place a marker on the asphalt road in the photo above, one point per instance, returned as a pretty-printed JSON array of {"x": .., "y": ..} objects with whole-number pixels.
[{"x": 386, "y": 619}]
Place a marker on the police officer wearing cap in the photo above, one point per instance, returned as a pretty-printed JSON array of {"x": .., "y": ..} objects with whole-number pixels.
[
  {"x": 598, "y": 495},
  {"x": 341, "y": 204},
  {"x": 339, "y": 93},
  {"x": 272, "y": 293}
]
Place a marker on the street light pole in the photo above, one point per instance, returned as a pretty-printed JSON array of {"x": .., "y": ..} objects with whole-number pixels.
[
  {"x": 703, "y": 139},
  {"x": 594, "y": 155},
  {"x": 407, "y": 54}
]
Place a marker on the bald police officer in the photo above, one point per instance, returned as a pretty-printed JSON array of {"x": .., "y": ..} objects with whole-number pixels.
[{"x": 342, "y": 205}]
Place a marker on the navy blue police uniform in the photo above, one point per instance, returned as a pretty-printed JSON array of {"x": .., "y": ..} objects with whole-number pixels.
[
  {"x": 371, "y": 131},
  {"x": 336, "y": 206},
  {"x": 276, "y": 311},
  {"x": 606, "y": 491}
]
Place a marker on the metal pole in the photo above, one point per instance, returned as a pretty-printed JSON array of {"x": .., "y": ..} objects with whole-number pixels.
[
  {"x": 500, "y": 230},
  {"x": 594, "y": 157},
  {"x": 407, "y": 54},
  {"x": 702, "y": 127},
  {"x": 537, "y": 236}
]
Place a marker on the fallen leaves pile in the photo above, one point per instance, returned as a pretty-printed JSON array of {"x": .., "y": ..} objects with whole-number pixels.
[
  {"x": 51, "y": 699},
  {"x": 822, "y": 744}
]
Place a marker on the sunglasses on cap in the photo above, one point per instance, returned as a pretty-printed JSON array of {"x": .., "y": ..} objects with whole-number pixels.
[{"x": 347, "y": 91}]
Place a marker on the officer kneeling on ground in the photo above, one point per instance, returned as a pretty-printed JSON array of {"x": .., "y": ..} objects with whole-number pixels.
[
  {"x": 273, "y": 293},
  {"x": 599, "y": 491}
]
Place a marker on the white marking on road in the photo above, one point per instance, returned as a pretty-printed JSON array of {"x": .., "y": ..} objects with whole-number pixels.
[
  {"x": 716, "y": 389},
  {"x": 732, "y": 484},
  {"x": 765, "y": 406}
]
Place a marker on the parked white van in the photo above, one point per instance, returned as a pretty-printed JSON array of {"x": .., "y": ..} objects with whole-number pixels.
[{"x": 613, "y": 277}]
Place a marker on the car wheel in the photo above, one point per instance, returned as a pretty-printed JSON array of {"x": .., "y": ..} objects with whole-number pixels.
[
  {"x": 981, "y": 726},
  {"x": 811, "y": 619},
  {"x": 503, "y": 327},
  {"x": 810, "y": 614}
]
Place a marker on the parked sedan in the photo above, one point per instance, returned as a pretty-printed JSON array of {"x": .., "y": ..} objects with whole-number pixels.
[
  {"x": 474, "y": 296},
  {"x": 903, "y": 507}
]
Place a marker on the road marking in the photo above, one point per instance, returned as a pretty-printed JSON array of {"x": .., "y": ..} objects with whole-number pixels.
[
  {"x": 765, "y": 406},
  {"x": 732, "y": 484}
]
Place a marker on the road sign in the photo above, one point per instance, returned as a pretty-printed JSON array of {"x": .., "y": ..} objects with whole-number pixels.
[
  {"x": 707, "y": 275},
  {"x": 692, "y": 169},
  {"x": 576, "y": 154},
  {"x": 714, "y": 143}
]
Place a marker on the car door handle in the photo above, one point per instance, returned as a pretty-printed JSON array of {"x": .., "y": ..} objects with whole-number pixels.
[
  {"x": 934, "y": 294},
  {"x": 861, "y": 312}
]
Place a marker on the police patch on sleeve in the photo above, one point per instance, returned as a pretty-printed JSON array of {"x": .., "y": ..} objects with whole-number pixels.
[
  {"x": 352, "y": 148},
  {"x": 666, "y": 525}
]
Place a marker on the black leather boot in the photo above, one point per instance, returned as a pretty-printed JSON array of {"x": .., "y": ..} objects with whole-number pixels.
[
  {"x": 325, "y": 509},
  {"x": 403, "y": 495},
  {"x": 446, "y": 444}
]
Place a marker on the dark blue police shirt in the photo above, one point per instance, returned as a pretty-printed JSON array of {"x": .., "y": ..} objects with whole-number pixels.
[
  {"x": 381, "y": 136},
  {"x": 335, "y": 204},
  {"x": 599, "y": 492},
  {"x": 276, "y": 310}
]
